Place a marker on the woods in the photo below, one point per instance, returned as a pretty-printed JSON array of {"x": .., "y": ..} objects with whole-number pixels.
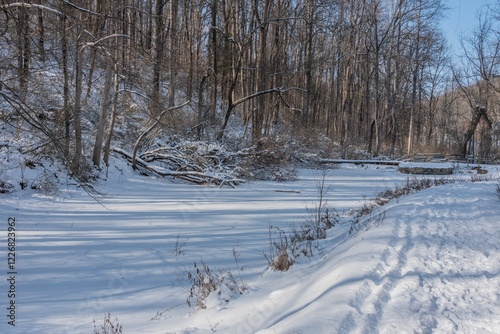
[{"x": 368, "y": 74}]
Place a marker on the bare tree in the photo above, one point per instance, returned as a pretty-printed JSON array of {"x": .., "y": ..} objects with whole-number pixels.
[
  {"x": 158, "y": 47},
  {"x": 479, "y": 84}
]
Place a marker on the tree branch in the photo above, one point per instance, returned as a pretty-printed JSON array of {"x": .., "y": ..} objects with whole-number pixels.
[
  {"x": 28, "y": 5},
  {"x": 80, "y": 8},
  {"x": 150, "y": 129}
]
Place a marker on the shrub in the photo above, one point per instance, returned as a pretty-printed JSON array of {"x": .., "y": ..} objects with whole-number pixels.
[
  {"x": 204, "y": 281},
  {"x": 109, "y": 326},
  {"x": 6, "y": 187},
  {"x": 46, "y": 184},
  {"x": 281, "y": 249},
  {"x": 410, "y": 186},
  {"x": 269, "y": 159},
  {"x": 284, "y": 247},
  {"x": 316, "y": 226},
  {"x": 282, "y": 261},
  {"x": 481, "y": 177}
]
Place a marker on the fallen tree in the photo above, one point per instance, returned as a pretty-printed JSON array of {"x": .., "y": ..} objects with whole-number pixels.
[
  {"x": 150, "y": 130},
  {"x": 163, "y": 163}
]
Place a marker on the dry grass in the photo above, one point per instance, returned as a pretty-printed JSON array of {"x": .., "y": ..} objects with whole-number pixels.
[
  {"x": 282, "y": 262},
  {"x": 204, "y": 281},
  {"x": 109, "y": 326}
]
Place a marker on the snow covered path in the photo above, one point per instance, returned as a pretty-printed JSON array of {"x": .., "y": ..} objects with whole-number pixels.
[
  {"x": 439, "y": 269},
  {"x": 427, "y": 263}
]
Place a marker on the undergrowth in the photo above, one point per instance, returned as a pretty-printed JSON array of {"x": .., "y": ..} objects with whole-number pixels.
[
  {"x": 204, "y": 282},
  {"x": 410, "y": 186},
  {"x": 285, "y": 247},
  {"x": 109, "y": 326}
]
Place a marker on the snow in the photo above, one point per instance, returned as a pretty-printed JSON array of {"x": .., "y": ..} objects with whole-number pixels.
[
  {"x": 424, "y": 263},
  {"x": 435, "y": 165}
]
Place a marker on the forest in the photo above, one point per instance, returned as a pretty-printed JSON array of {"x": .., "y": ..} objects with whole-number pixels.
[
  {"x": 336, "y": 78},
  {"x": 300, "y": 118}
]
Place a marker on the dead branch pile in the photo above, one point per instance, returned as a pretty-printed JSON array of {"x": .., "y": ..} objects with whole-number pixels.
[{"x": 191, "y": 165}]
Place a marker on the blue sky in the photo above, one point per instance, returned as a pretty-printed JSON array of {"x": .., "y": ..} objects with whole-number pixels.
[{"x": 461, "y": 19}]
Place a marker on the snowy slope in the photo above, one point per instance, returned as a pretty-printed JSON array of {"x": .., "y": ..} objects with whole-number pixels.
[{"x": 428, "y": 263}]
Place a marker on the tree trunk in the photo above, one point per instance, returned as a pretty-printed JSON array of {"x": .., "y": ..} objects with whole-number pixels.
[
  {"x": 214, "y": 62},
  {"x": 378, "y": 97},
  {"x": 174, "y": 55},
  {"x": 478, "y": 113},
  {"x": 66, "y": 109},
  {"x": 309, "y": 54},
  {"x": 99, "y": 137},
  {"x": 261, "y": 74},
  {"x": 157, "y": 60},
  {"x": 75, "y": 164},
  {"x": 23, "y": 50},
  {"x": 41, "y": 34},
  {"x": 112, "y": 117}
]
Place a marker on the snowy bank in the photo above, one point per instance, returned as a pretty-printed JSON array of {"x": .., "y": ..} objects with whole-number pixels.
[{"x": 428, "y": 262}]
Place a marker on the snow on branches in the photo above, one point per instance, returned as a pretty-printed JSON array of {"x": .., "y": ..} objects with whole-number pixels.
[{"x": 195, "y": 166}]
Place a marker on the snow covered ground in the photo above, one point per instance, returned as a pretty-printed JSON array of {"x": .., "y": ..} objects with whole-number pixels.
[{"x": 424, "y": 263}]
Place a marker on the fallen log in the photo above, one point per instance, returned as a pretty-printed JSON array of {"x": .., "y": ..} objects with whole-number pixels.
[{"x": 361, "y": 162}]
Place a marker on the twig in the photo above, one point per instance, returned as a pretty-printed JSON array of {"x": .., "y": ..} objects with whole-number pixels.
[{"x": 159, "y": 314}]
